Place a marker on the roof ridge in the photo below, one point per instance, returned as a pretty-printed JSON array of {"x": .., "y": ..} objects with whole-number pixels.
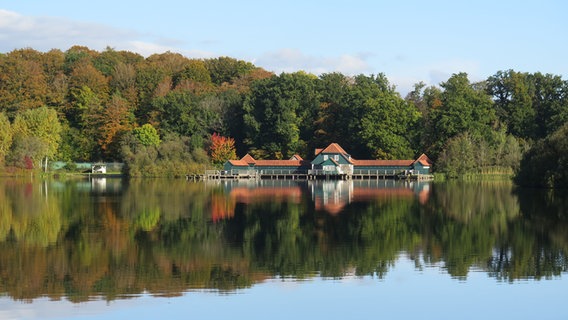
[
  {"x": 248, "y": 158},
  {"x": 334, "y": 148}
]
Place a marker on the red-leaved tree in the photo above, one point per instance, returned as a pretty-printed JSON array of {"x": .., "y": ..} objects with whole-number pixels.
[{"x": 222, "y": 149}]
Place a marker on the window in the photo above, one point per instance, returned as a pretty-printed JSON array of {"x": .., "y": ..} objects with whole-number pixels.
[
  {"x": 325, "y": 157},
  {"x": 336, "y": 157}
]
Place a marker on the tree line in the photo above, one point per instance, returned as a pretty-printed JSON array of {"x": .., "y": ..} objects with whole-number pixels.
[{"x": 159, "y": 114}]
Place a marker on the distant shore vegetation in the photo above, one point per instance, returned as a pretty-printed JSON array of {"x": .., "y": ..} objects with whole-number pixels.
[{"x": 166, "y": 114}]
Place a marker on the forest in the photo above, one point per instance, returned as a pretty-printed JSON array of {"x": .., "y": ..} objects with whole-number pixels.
[{"x": 169, "y": 115}]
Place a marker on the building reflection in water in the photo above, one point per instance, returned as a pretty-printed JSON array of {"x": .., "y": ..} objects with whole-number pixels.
[
  {"x": 333, "y": 196},
  {"x": 330, "y": 196},
  {"x": 98, "y": 185}
]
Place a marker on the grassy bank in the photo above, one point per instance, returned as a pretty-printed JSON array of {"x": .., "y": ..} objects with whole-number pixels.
[{"x": 440, "y": 177}]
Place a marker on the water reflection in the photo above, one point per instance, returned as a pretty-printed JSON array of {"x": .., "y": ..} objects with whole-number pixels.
[
  {"x": 329, "y": 196},
  {"x": 84, "y": 239}
]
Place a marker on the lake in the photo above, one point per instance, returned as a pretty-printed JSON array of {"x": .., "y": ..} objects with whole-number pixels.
[{"x": 283, "y": 249}]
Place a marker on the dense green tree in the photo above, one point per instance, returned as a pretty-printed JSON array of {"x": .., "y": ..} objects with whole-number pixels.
[
  {"x": 458, "y": 156},
  {"x": 505, "y": 149},
  {"x": 366, "y": 113},
  {"x": 511, "y": 92},
  {"x": 550, "y": 101},
  {"x": 77, "y": 55},
  {"x": 387, "y": 125},
  {"x": 425, "y": 99},
  {"x": 465, "y": 153},
  {"x": 232, "y": 118},
  {"x": 226, "y": 70},
  {"x": 186, "y": 114},
  {"x": 175, "y": 156},
  {"x": 335, "y": 113},
  {"x": 5, "y": 136},
  {"x": 109, "y": 59},
  {"x": 195, "y": 71},
  {"x": 546, "y": 163},
  {"x": 85, "y": 105},
  {"x": 416, "y": 97},
  {"x": 530, "y": 105},
  {"x": 147, "y": 135},
  {"x": 464, "y": 108},
  {"x": 148, "y": 77},
  {"x": 76, "y": 145},
  {"x": 279, "y": 115},
  {"x": 154, "y": 79}
]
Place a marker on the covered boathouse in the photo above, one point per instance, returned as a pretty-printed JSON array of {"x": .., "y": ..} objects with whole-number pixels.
[{"x": 330, "y": 162}]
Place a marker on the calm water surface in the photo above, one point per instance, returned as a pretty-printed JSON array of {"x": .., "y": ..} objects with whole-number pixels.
[{"x": 148, "y": 249}]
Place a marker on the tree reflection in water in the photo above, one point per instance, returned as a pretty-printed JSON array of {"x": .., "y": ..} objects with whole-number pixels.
[{"x": 83, "y": 239}]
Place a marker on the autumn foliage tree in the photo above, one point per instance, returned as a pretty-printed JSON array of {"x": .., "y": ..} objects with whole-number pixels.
[
  {"x": 222, "y": 149},
  {"x": 23, "y": 82},
  {"x": 114, "y": 120}
]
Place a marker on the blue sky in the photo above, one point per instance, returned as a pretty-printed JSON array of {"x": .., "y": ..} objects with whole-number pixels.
[{"x": 409, "y": 41}]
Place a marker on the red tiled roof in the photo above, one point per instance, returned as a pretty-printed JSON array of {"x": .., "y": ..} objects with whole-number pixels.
[
  {"x": 248, "y": 159},
  {"x": 383, "y": 163},
  {"x": 334, "y": 148},
  {"x": 238, "y": 163},
  {"x": 424, "y": 160},
  {"x": 279, "y": 163},
  {"x": 318, "y": 151},
  {"x": 296, "y": 157}
]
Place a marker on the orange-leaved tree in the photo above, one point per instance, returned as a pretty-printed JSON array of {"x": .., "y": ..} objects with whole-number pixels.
[{"x": 222, "y": 149}]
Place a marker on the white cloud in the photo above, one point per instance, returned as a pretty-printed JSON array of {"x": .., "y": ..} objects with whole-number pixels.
[
  {"x": 291, "y": 60},
  {"x": 149, "y": 48},
  {"x": 46, "y": 33},
  {"x": 13, "y": 20}
]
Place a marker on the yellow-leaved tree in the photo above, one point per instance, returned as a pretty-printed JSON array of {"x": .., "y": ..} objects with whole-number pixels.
[
  {"x": 5, "y": 136},
  {"x": 36, "y": 135}
]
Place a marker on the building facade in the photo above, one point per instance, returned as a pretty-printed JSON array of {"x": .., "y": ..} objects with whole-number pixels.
[{"x": 330, "y": 161}]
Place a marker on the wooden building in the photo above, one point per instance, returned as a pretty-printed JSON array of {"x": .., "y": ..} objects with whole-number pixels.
[{"x": 332, "y": 161}]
